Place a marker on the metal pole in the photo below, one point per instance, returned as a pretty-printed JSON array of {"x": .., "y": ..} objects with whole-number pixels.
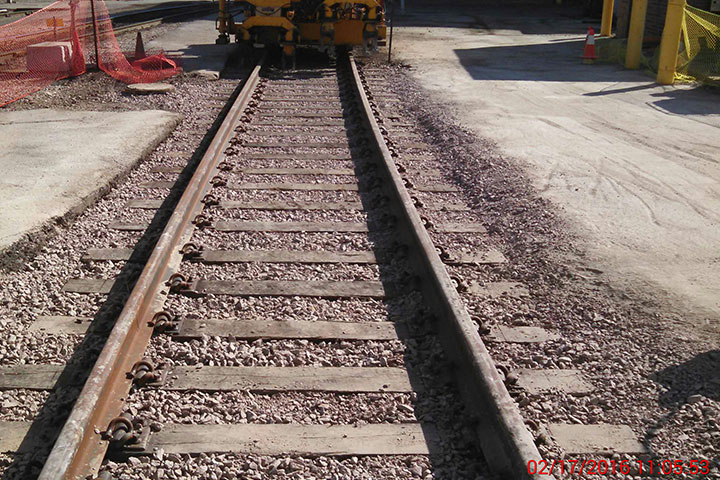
[
  {"x": 670, "y": 42},
  {"x": 95, "y": 34},
  {"x": 222, "y": 24},
  {"x": 607, "y": 16},
  {"x": 635, "y": 37},
  {"x": 392, "y": 23}
]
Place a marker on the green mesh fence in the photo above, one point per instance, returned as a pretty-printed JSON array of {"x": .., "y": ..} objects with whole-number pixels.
[{"x": 699, "y": 55}]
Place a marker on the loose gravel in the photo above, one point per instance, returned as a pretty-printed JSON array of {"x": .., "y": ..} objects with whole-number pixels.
[
  {"x": 34, "y": 271},
  {"x": 214, "y": 351},
  {"x": 422, "y": 356},
  {"x": 650, "y": 368},
  {"x": 402, "y": 308},
  {"x": 212, "y": 408}
]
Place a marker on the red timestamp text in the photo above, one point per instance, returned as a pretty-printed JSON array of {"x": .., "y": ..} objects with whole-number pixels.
[{"x": 613, "y": 467}]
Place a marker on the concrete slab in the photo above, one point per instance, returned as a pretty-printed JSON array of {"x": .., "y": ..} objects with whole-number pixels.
[
  {"x": 501, "y": 333},
  {"x": 149, "y": 88},
  {"x": 595, "y": 439},
  {"x": 50, "y": 169},
  {"x": 633, "y": 163},
  {"x": 194, "y": 43},
  {"x": 541, "y": 381},
  {"x": 13, "y": 434}
]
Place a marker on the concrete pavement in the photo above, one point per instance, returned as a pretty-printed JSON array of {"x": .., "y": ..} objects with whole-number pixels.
[
  {"x": 634, "y": 165},
  {"x": 58, "y": 162},
  {"x": 194, "y": 42},
  {"x": 50, "y": 168}
]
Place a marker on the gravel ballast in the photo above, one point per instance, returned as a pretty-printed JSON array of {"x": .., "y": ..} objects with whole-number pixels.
[{"x": 651, "y": 369}]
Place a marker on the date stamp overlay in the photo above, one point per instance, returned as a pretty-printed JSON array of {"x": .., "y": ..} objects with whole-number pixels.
[{"x": 611, "y": 467}]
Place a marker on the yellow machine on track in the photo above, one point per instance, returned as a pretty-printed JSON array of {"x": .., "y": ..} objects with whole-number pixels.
[{"x": 323, "y": 24}]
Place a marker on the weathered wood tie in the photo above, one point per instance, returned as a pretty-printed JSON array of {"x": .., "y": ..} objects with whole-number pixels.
[
  {"x": 293, "y": 256},
  {"x": 284, "y": 256},
  {"x": 294, "y": 171},
  {"x": 245, "y": 329},
  {"x": 288, "y": 288},
  {"x": 241, "y": 226},
  {"x": 285, "y": 379},
  {"x": 151, "y": 204},
  {"x": 309, "y": 330},
  {"x": 305, "y": 187},
  {"x": 294, "y": 439}
]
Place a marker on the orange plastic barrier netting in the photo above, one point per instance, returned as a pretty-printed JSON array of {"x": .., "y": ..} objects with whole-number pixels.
[{"x": 57, "y": 41}]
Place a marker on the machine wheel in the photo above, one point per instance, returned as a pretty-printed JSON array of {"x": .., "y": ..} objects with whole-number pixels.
[{"x": 246, "y": 54}]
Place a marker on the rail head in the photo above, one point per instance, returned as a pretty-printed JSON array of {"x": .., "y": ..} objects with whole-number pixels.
[
  {"x": 80, "y": 448},
  {"x": 506, "y": 442}
]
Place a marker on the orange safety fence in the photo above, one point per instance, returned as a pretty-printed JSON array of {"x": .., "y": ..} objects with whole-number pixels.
[{"x": 57, "y": 41}]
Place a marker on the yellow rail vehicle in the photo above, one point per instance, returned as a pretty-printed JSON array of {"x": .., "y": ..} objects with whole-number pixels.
[{"x": 323, "y": 24}]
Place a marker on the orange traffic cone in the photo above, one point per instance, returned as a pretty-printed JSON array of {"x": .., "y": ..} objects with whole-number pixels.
[
  {"x": 589, "y": 54},
  {"x": 139, "y": 47}
]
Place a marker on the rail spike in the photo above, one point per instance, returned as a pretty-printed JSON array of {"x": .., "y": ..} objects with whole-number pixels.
[
  {"x": 201, "y": 221},
  {"x": 191, "y": 250},
  {"x": 120, "y": 432},
  {"x": 210, "y": 200},
  {"x": 143, "y": 373},
  {"x": 164, "y": 321},
  {"x": 177, "y": 282},
  {"x": 218, "y": 181},
  {"x": 459, "y": 283}
]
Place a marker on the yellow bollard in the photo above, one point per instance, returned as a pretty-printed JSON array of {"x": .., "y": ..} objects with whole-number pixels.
[
  {"x": 670, "y": 42},
  {"x": 607, "y": 16},
  {"x": 222, "y": 27},
  {"x": 635, "y": 36}
]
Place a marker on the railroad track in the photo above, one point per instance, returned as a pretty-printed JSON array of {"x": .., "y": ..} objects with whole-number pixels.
[{"x": 295, "y": 277}]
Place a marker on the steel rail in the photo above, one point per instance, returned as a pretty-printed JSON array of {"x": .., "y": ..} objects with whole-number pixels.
[
  {"x": 80, "y": 447},
  {"x": 506, "y": 442}
]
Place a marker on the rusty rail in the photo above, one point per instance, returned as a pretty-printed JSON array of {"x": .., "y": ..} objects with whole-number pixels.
[
  {"x": 80, "y": 447},
  {"x": 505, "y": 440}
]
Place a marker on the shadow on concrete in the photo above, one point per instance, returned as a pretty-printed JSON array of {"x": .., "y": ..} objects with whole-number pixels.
[
  {"x": 528, "y": 19},
  {"x": 678, "y": 101},
  {"x": 563, "y": 63},
  {"x": 698, "y": 376},
  {"x": 616, "y": 91},
  {"x": 203, "y": 56},
  {"x": 688, "y": 101}
]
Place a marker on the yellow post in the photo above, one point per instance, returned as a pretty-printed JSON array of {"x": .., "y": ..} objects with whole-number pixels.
[
  {"x": 670, "y": 42},
  {"x": 223, "y": 38},
  {"x": 607, "y": 15},
  {"x": 635, "y": 36}
]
